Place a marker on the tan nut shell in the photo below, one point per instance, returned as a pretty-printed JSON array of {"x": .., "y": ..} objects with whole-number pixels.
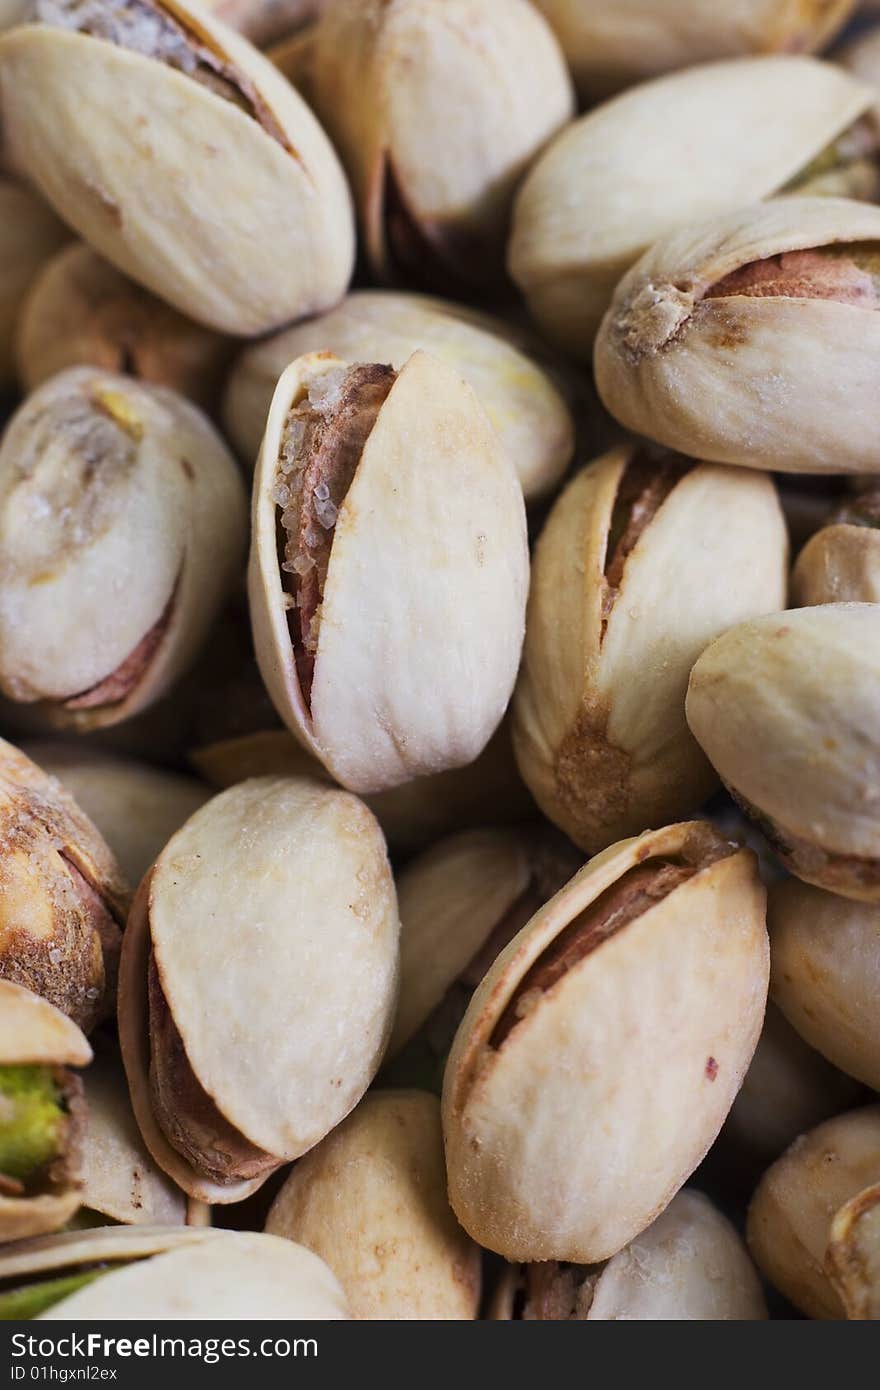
[
  {"x": 125, "y": 148},
  {"x": 94, "y": 551},
  {"x": 598, "y": 717},
  {"x": 34, "y": 1033},
  {"x": 424, "y": 604},
  {"x": 786, "y": 709},
  {"x": 29, "y": 234},
  {"x": 852, "y": 1259},
  {"x": 825, "y": 974},
  {"x": 617, "y": 179},
  {"x": 24, "y": 1261},
  {"x": 371, "y": 1201},
  {"x": 528, "y": 413},
  {"x": 790, "y": 1217},
  {"x": 573, "y": 1137},
  {"x": 725, "y": 378},
  {"x": 273, "y": 920},
  {"x": 840, "y": 564}
]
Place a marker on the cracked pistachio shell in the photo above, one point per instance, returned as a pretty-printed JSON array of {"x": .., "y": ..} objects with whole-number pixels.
[
  {"x": 371, "y": 1201},
  {"x": 136, "y": 807},
  {"x": 30, "y": 234},
  {"x": 34, "y": 1033},
  {"x": 783, "y": 376},
  {"x": 63, "y": 899},
  {"x": 852, "y": 1260},
  {"x": 825, "y": 974},
  {"x": 271, "y": 919},
  {"x": 790, "y": 1216},
  {"x": 601, "y": 1053},
  {"x": 689, "y": 1265},
  {"x": 615, "y": 180},
  {"x": 839, "y": 564},
  {"x": 785, "y": 707},
  {"x": 598, "y": 716},
  {"x": 122, "y": 528},
  {"x": 527, "y": 411},
  {"x": 233, "y": 209},
  {"x": 437, "y": 111},
  {"x": 81, "y": 311},
  {"x": 423, "y": 606}
]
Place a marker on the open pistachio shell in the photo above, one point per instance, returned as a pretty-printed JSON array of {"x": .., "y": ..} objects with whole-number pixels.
[
  {"x": 117, "y": 110},
  {"x": 63, "y": 899},
  {"x": 437, "y": 110},
  {"x": 37, "y": 1046},
  {"x": 852, "y": 1259},
  {"x": 636, "y": 570},
  {"x": 791, "y": 1213},
  {"x": 371, "y": 1201},
  {"x": 258, "y": 982},
  {"x": 726, "y": 333},
  {"x": 825, "y": 974},
  {"x": 785, "y": 708},
  {"x": 689, "y": 1265},
  {"x": 122, "y": 528},
  {"x": 527, "y": 411},
  {"x": 30, "y": 234},
  {"x": 616, "y": 180},
  {"x": 599, "y": 1056},
  {"x": 389, "y": 629},
  {"x": 81, "y": 311}
]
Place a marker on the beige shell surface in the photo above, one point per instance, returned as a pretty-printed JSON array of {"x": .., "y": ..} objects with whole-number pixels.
[
  {"x": 852, "y": 1260},
  {"x": 236, "y": 1275},
  {"x": 241, "y": 243},
  {"x": 840, "y": 564},
  {"x": 26, "y": 1259},
  {"x": 825, "y": 974},
  {"x": 652, "y": 1032},
  {"x": 598, "y": 715},
  {"x": 790, "y": 1217},
  {"x": 120, "y": 506},
  {"x": 723, "y": 378},
  {"x": 273, "y": 920},
  {"x": 371, "y": 1201},
  {"x": 616, "y": 180},
  {"x": 424, "y": 604},
  {"x": 524, "y": 406},
  {"x": 785, "y": 708},
  {"x": 30, "y": 234}
]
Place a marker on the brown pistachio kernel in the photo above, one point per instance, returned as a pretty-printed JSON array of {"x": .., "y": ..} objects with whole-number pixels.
[
  {"x": 644, "y": 487},
  {"x": 849, "y": 275}
]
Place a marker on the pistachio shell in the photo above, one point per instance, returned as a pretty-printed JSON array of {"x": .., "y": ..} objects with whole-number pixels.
[
  {"x": 527, "y": 411},
  {"x": 110, "y": 488},
  {"x": 125, "y": 147},
  {"x": 437, "y": 111},
  {"x": 825, "y": 974},
  {"x": 568, "y": 1134},
  {"x": 371, "y": 1201},
  {"x": 853, "y": 1256},
  {"x": 785, "y": 708},
  {"x": 49, "y": 1254},
  {"x": 615, "y": 181},
  {"x": 423, "y": 606},
  {"x": 598, "y": 715},
  {"x": 29, "y": 234},
  {"x": 81, "y": 311},
  {"x": 722, "y": 374},
  {"x": 265, "y": 21},
  {"x": 272, "y": 919},
  {"x": 839, "y": 564},
  {"x": 790, "y": 1216}
]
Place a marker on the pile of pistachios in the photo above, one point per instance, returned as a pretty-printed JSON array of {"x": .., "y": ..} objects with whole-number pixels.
[{"x": 439, "y": 659}]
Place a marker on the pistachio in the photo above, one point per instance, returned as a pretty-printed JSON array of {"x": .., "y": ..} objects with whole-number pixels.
[
  {"x": 615, "y": 181},
  {"x": 294, "y": 57},
  {"x": 637, "y": 568},
  {"x": 82, "y": 312},
  {"x": 437, "y": 111},
  {"x": 825, "y": 974},
  {"x": 265, "y": 21},
  {"x": 602, "y": 1050},
  {"x": 116, "y": 110},
  {"x": 367, "y": 475},
  {"x": 785, "y": 708},
  {"x": 122, "y": 525},
  {"x": 841, "y": 563},
  {"x": 62, "y": 895},
  {"x": 371, "y": 1201},
  {"x": 42, "y": 1114},
  {"x": 852, "y": 1259},
  {"x": 30, "y": 234},
  {"x": 790, "y": 1217},
  {"x": 525, "y": 407},
  {"x": 689, "y": 1265},
  {"x": 258, "y": 982},
  {"x": 724, "y": 334}
]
